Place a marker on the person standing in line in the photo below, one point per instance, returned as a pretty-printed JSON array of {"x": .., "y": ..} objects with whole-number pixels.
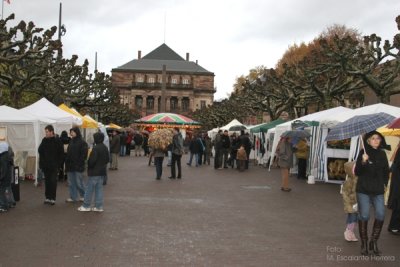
[
  {"x": 77, "y": 153},
  {"x": 394, "y": 195},
  {"x": 115, "y": 148},
  {"x": 302, "y": 155},
  {"x": 226, "y": 144},
  {"x": 285, "y": 161},
  {"x": 177, "y": 151},
  {"x": 97, "y": 169},
  {"x": 51, "y": 152},
  {"x": 372, "y": 169},
  {"x": 234, "y": 149}
]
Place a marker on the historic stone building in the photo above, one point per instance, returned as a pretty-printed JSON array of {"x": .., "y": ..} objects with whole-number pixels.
[{"x": 188, "y": 86}]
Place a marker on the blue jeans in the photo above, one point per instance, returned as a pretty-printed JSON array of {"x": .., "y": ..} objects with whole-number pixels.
[
  {"x": 351, "y": 218},
  {"x": 3, "y": 199},
  {"x": 95, "y": 183},
  {"x": 364, "y": 203},
  {"x": 196, "y": 158},
  {"x": 75, "y": 185},
  {"x": 158, "y": 161},
  {"x": 122, "y": 151}
]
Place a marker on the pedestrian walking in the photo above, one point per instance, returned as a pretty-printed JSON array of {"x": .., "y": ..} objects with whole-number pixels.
[
  {"x": 372, "y": 169},
  {"x": 285, "y": 161},
  {"x": 77, "y": 153},
  {"x": 97, "y": 169},
  {"x": 65, "y": 139},
  {"x": 114, "y": 149},
  {"x": 51, "y": 152},
  {"x": 218, "y": 150}
]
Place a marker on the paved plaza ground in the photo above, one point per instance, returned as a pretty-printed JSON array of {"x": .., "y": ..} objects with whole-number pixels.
[{"x": 209, "y": 218}]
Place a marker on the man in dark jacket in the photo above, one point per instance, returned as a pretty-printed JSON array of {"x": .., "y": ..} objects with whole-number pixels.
[
  {"x": 177, "y": 151},
  {"x": 226, "y": 144},
  {"x": 75, "y": 164},
  {"x": 97, "y": 169},
  {"x": 51, "y": 152}
]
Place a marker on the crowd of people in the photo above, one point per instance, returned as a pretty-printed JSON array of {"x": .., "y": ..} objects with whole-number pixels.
[{"x": 67, "y": 157}]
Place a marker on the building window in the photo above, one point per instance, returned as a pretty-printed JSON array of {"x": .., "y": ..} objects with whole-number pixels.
[
  {"x": 150, "y": 103},
  {"x": 140, "y": 79},
  {"x": 203, "y": 104},
  {"x": 174, "y": 81},
  {"x": 138, "y": 102},
  {"x": 151, "y": 80},
  {"x": 185, "y": 104},
  {"x": 185, "y": 81},
  {"x": 173, "y": 103},
  {"x": 160, "y": 80}
]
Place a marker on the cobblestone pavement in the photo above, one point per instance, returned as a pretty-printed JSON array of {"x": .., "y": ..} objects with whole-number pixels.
[{"x": 209, "y": 218}]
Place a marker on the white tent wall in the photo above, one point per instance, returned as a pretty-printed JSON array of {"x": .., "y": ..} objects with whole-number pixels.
[
  {"x": 317, "y": 116},
  {"x": 321, "y": 171}
]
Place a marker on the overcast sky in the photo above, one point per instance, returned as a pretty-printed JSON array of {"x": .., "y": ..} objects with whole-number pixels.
[{"x": 227, "y": 37}]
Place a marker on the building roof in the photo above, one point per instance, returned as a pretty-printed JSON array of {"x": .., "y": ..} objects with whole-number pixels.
[{"x": 163, "y": 55}]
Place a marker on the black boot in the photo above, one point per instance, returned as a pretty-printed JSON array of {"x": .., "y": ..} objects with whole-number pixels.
[
  {"x": 373, "y": 243},
  {"x": 363, "y": 229}
]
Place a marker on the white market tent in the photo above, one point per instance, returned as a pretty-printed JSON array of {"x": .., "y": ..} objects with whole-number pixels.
[
  {"x": 317, "y": 116},
  {"x": 214, "y": 131},
  {"x": 23, "y": 131},
  {"x": 45, "y": 109},
  {"x": 320, "y": 171}
]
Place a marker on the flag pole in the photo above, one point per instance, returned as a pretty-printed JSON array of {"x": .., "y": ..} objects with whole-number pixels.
[{"x": 2, "y": 8}]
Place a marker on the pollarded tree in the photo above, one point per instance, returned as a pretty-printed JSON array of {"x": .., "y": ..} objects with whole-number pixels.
[
  {"x": 377, "y": 64},
  {"x": 22, "y": 50}
]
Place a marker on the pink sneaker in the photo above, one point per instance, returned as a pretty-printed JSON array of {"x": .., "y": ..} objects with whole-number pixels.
[
  {"x": 347, "y": 235},
  {"x": 353, "y": 236}
]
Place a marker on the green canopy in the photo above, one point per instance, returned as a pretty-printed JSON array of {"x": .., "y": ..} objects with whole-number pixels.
[{"x": 264, "y": 127}]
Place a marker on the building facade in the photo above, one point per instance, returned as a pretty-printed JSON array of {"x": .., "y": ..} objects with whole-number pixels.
[{"x": 188, "y": 86}]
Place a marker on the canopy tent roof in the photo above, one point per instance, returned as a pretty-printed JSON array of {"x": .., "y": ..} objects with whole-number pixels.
[
  {"x": 168, "y": 119},
  {"x": 9, "y": 114},
  {"x": 234, "y": 122},
  {"x": 264, "y": 127},
  {"x": 86, "y": 122},
  {"x": 113, "y": 126},
  {"x": 376, "y": 108},
  {"x": 45, "y": 109}
]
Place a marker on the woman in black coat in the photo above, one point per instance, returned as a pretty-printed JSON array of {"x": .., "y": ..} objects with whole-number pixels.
[{"x": 372, "y": 169}]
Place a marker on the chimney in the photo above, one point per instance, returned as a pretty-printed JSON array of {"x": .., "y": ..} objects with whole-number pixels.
[
  {"x": 139, "y": 54},
  {"x": 187, "y": 56},
  {"x": 197, "y": 62}
]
